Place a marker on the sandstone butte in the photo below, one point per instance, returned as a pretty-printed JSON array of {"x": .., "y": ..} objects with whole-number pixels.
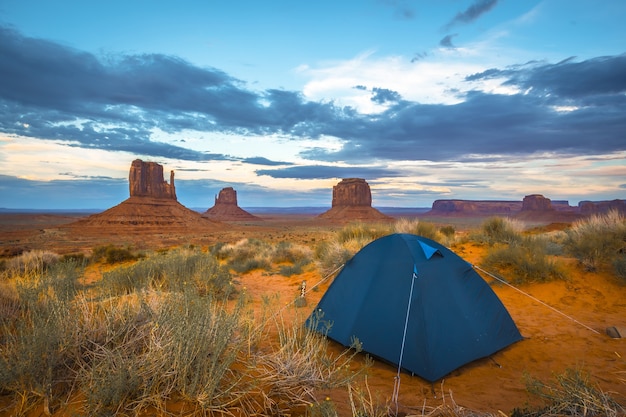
[
  {"x": 352, "y": 200},
  {"x": 227, "y": 209},
  {"x": 152, "y": 205}
]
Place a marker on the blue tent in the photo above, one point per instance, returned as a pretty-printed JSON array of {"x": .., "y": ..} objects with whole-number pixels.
[{"x": 415, "y": 303}]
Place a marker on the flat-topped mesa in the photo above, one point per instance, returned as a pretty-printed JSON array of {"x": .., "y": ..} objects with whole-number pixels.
[
  {"x": 226, "y": 207},
  {"x": 352, "y": 192},
  {"x": 146, "y": 180},
  {"x": 536, "y": 202}
]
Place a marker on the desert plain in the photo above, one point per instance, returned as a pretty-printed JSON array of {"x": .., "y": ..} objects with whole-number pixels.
[{"x": 563, "y": 321}]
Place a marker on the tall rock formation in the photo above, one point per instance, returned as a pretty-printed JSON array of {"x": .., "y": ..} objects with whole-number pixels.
[
  {"x": 352, "y": 200},
  {"x": 352, "y": 192},
  {"x": 151, "y": 208},
  {"x": 146, "y": 180},
  {"x": 226, "y": 207}
]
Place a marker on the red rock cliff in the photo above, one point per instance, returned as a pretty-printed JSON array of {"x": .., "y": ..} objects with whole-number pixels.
[
  {"x": 146, "y": 180},
  {"x": 352, "y": 192}
]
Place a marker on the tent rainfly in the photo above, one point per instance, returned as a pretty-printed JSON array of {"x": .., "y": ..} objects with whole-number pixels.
[{"x": 413, "y": 302}]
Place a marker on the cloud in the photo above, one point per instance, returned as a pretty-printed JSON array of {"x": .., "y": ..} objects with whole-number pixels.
[
  {"x": 473, "y": 12},
  {"x": 446, "y": 42},
  {"x": 385, "y": 96},
  {"x": 328, "y": 172},
  {"x": 117, "y": 104}
]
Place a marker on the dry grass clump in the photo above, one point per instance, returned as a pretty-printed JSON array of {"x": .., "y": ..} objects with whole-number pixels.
[
  {"x": 170, "y": 271},
  {"x": 498, "y": 230},
  {"x": 420, "y": 228},
  {"x": 524, "y": 261},
  {"x": 298, "y": 364},
  {"x": 598, "y": 240},
  {"x": 33, "y": 262},
  {"x": 249, "y": 254},
  {"x": 573, "y": 394}
]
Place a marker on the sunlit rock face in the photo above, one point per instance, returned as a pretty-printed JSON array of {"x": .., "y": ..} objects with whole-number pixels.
[
  {"x": 226, "y": 207},
  {"x": 146, "y": 180},
  {"x": 352, "y": 192},
  {"x": 352, "y": 200}
]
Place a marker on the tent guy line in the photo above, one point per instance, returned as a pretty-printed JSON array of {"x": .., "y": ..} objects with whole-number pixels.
[{"x": 535, "y": 299}]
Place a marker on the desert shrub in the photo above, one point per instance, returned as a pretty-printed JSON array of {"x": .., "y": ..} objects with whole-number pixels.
[
  {"x": 293, "y": 269},
  {"x": 524, "y": 261},
  {"x": 417, "y": 227},
  {"x": 171, "y": 271},
  {"x": 76, "y": 257},
  {"x": 363, "y": 232},
  {"x": 447, "y": 231},
  {"x": 34, "y": 351},
  {"x": 331, "y": 256},
  {"x": 32, "y": 262},
  {"x": 573, "y": 394},
  {"x": 496, "y": 230},
  {"x": 112, "y": 254},
  {"x": 619, "y": 267},
  {"x": 289, "y": 373},
  {"x": 246, "y": 255},
  {"x": 597, "y": 240}
]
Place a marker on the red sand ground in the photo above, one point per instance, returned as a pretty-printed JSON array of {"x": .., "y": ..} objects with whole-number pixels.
[{"x": 552, "y": 344}]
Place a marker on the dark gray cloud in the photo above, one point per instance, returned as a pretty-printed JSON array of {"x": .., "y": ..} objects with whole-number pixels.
[
  {"x": 55, "y": 92},
  {"x": 473, "y": 12},
  {"x": 264, "y": 161},
  {"x": 328, "y": 172},
  {"x": 385, "y": 96},
  {"x": 446, "y": 42}
]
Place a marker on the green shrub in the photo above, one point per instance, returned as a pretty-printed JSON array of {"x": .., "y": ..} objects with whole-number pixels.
[
  {"x": 447, "y": 231},
  {"x": 597, "y": 240},
  {"x": 171, "y": 271},
  {"x": 112, "y": 254},
  {"x": 619, "y": 267},
  {"x": 524, "y": 261},
  {"x": 500, "y": 230}
]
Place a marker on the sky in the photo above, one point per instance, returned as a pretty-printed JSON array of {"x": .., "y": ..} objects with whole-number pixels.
[{"x": 453, "y": 99}]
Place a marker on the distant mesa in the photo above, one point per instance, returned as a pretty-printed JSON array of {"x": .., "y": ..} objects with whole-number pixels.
[
  {"x": 226, "y": 208},
  {"x": 533, "y": 207},
  {"x": 467, "y": 207},
  {"x": 536, "y": 202},
  {"x": 602, "y": 207},
  {"x": 152, "y": 205},
  {"x": 352, "y": 200}
]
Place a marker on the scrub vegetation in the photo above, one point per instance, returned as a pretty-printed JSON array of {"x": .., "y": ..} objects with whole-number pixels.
[{"x": 172, "y": 333}]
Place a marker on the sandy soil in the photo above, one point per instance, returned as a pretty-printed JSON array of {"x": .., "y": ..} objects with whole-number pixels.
[{"x": 553, "y": 342}]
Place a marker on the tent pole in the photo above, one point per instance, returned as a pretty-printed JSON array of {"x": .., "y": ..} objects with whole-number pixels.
[{"x": 396, "y": 385}]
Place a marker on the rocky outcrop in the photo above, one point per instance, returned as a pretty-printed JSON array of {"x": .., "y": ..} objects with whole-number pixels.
[
  {"x": 226, "y": 207},
  {"x": 536, "y": 202},
  {"x": 352, "y": 200},
  {"x": 352, "y": 192},
  {"x": 151, "y": 207},
  {"x": 146, "y": 180},
  {"x": 601, "y": 207}
]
